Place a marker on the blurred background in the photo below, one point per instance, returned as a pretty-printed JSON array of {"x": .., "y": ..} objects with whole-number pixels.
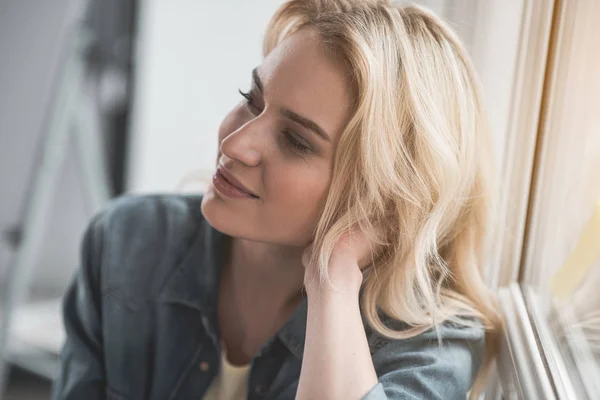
[{"x": 102, "y": 98}]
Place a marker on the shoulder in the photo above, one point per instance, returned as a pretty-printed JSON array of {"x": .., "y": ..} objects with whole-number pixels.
[
  {"x": 139, "y": 239},
  {"x": 439, "y": 363},
  {"x": 132, "y": 213}
]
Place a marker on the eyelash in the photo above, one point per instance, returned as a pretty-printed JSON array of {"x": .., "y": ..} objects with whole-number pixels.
[{"x": 291, "y": 141}]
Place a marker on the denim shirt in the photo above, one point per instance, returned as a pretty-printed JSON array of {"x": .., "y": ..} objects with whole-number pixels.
[{"x": 141, "y": 320}]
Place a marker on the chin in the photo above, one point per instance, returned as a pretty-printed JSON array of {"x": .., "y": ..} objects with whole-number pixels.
[
  {"x": 235, "y": 220},
  {"x": 228, "y": 217},
  {"x": 218, "y": 214}
]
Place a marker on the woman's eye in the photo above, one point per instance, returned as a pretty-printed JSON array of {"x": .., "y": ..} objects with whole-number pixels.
[
  {"x": 249, "y": 101},
  {"x": 295, "y": 143},
  {"x": 293, "y": 140}
]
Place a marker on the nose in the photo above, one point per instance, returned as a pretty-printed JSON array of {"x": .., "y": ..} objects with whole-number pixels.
[{"x": 242, "y": 145}]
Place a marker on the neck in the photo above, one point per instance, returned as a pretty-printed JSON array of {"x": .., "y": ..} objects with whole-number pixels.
[{"x": 266, "y": 269}]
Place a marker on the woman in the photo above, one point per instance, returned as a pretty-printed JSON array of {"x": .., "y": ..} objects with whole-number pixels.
[{"x": 337, "y": 253}]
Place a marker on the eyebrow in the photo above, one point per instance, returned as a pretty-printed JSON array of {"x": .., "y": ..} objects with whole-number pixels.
[{"x": 305, "y": 122}]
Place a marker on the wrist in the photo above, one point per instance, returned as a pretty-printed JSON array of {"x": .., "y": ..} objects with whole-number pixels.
[{"x": 345, "y": 278}]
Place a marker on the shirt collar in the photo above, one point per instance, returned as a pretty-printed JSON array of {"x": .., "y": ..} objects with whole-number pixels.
[
  {"x": 195, "y": 280},
  {"x": 293, "y": 333}
]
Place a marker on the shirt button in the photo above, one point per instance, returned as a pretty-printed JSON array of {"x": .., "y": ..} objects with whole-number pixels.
[{"x": 204, "y": 366}]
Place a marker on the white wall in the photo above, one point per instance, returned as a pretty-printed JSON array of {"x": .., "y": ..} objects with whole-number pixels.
[
  {"x": 497, "y": 34},
  {"x": 193, "y": 56}
]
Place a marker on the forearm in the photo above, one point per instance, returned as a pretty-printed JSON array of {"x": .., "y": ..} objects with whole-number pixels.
[{"x": 337, "y": 362}]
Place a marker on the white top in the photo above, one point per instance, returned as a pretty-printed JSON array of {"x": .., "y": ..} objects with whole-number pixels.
[{"x": 231, "y": 383}]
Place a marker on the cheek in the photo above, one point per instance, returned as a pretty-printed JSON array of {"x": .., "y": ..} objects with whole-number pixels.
[{"x": 299, "y": 190}]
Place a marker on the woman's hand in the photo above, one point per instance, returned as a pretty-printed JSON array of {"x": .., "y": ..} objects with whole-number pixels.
[{"x": 353, "y": 252}]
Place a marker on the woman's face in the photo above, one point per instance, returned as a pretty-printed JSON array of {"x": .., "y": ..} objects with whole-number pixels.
[{"x": 276, "y": 147}]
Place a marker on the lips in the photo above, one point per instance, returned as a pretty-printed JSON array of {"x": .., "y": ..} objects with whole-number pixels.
[{"x": 228, "y": 185}]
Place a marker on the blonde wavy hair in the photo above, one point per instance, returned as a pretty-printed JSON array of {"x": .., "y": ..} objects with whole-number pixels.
[{"x": 413, "y": 166}]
